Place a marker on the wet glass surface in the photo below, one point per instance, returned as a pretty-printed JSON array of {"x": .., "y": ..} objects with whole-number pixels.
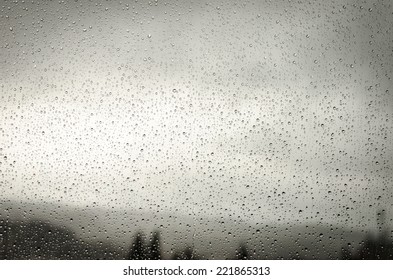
[{"x": 196, "y": 130}]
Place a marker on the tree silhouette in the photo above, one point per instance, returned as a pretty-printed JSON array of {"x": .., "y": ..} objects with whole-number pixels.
[
  {"x": 138, "y": 250},
  {"x": 186, "y": 254},
  {"x": 4, "y": 238},
  {"x": 346, "y": 253},
  {"x": 155, "y": 246},
  {"x": 242, "y": 252}
]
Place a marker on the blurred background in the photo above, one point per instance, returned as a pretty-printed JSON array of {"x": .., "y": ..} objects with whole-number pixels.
[{"x": 196, "y": 130}]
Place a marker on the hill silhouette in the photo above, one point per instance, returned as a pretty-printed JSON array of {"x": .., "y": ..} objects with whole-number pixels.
[{"x": 49, "y": 231}]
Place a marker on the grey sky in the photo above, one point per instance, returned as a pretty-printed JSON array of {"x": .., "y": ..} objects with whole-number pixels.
[{"x": 280, "y": 111}]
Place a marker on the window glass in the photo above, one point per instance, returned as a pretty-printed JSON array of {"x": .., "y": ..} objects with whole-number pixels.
[{"x": 196, "y": 129}]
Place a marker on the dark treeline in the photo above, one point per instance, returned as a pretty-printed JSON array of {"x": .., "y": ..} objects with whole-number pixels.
[
  {"x": 150, "y": 249},
  {"x": 42, "y": 240}
]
